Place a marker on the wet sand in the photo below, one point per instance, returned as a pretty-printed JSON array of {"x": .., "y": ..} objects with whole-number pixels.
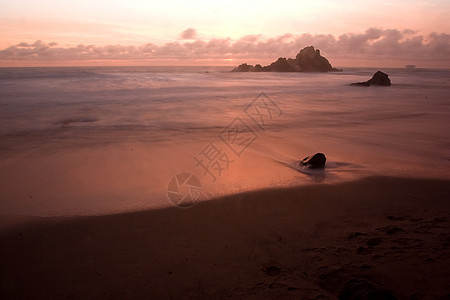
[{"x": 309, "y": 241}]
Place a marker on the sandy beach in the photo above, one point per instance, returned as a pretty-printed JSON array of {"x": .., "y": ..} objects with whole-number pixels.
[{"x": 311, "y": 242}]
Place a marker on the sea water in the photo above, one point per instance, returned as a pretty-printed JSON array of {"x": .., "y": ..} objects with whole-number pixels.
[{"x": 99, "y": 140}]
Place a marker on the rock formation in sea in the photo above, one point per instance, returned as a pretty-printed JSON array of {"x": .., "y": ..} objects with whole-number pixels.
[
  {"x": 307, "y": 60},
  {"x": 379, "y": 78}
]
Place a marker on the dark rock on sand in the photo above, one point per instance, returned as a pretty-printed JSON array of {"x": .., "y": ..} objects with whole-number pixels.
[
  {"x": 362, "y": 289},
  {"x": 307, "y": 60},
  {"x": 379, "y": 78},
  {"x": 317, "y": 161}
]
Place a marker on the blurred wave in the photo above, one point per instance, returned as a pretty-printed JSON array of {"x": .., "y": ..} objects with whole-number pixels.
[{"x": 144, "y": 124}]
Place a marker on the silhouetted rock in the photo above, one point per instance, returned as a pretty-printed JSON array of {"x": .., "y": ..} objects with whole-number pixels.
[
  {"x": 362, "y": 289},
  {"x": 310, "y": 60},
  {"x": 364, "y": 83},
  {"x": 281, "y": 65},
  {"x": 258, "y": 68},
  {"x": 317, "y": 161},
  {"x": 307, "y": 60},
  {"x": 379, "y": 78},
  {"x": 244, "y": 68}
]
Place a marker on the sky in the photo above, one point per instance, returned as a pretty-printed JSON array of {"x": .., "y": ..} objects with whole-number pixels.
[{"x": 229, "y": 32}]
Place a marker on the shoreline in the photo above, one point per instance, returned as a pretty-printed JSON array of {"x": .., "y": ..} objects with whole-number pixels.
[
  {"x": 9, "y": 220},
  {"x": 284, "y": 242}
]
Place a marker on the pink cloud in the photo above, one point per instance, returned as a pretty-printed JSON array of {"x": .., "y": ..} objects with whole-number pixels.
[
  {"x": 373, "y": 44},
  {"x": 189, "y": 34}
]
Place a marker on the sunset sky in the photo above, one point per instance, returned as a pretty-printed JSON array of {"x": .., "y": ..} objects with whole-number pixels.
[{"x": 176, "y": 32}]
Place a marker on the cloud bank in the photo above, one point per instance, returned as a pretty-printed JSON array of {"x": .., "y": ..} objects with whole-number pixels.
[{"x": 374, "y": 44}]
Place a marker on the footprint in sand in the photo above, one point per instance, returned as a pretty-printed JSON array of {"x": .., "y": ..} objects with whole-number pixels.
[
  {"x": 374, "y": 241},
  {"x": 390, "y": 229},
  {"x": 272, "y": 270}
]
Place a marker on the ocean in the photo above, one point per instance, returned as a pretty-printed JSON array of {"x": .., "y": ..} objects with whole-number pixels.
[{"x": 102, "y": 140}]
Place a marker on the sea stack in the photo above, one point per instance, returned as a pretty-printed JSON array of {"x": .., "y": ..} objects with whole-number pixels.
[
  {"x": 307, "y": 60},
  {"x": 379, "y": 78}
]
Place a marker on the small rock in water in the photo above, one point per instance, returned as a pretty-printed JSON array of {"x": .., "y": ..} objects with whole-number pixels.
[
  {"x": 317, "y": 161},
  {"x": 379, "y": 78}
]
